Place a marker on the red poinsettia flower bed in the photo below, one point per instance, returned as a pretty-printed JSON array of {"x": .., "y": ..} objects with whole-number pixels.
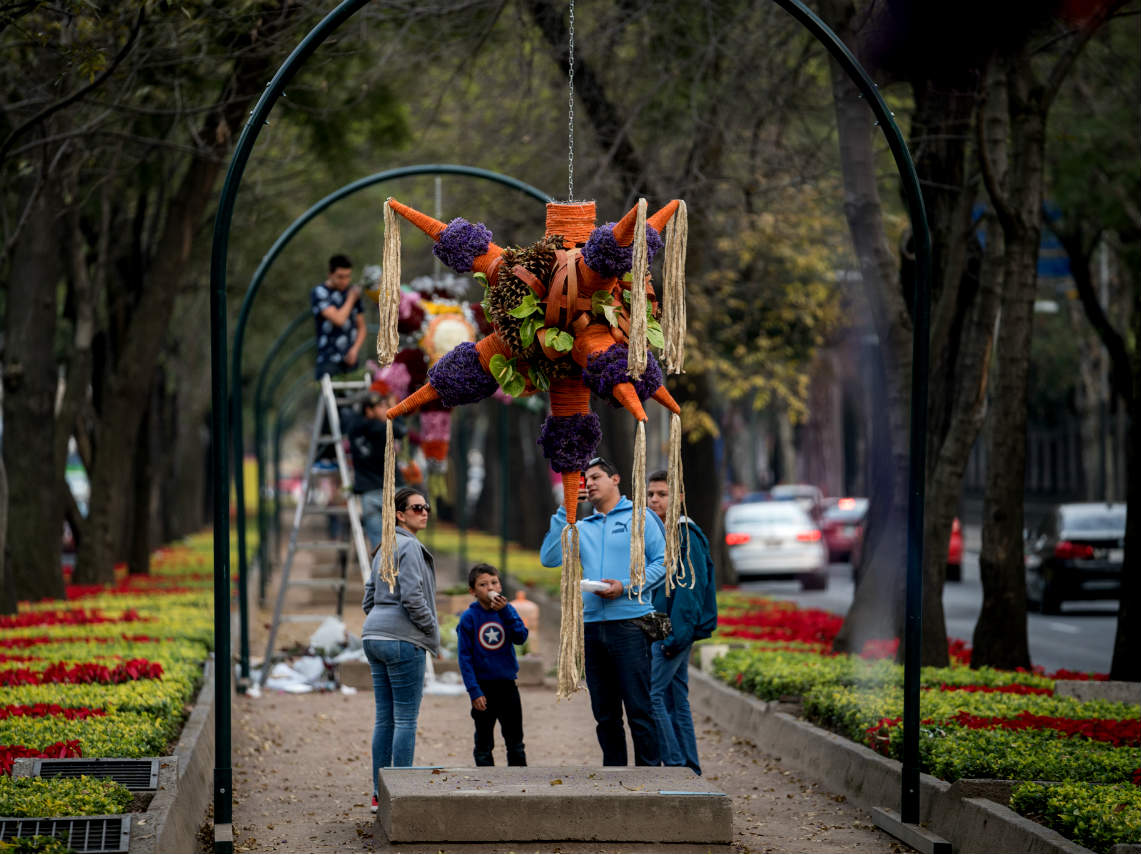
[
  {"x": 45, "y": 710},
  {"x": 55, "y": 751},
  {"x": 33, "y": 641},
  {"x": 83, "y": 672},
  {"x": 1008, "y": 689},
  {"x": 769, "y": 620},
  {"x": 759, "y": 619},
  {"x": 77, "y": 617},
  {"x": 1113, "y": 731}
]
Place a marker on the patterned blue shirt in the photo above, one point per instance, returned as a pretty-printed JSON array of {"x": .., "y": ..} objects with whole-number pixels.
[{"x": 333, "y": 342}]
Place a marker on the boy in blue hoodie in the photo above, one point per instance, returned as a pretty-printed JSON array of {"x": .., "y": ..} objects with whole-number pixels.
[{"x": 487, "y": 635}]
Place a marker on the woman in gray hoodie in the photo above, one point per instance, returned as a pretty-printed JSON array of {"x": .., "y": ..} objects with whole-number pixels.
[{"x": 400, "y": 625}]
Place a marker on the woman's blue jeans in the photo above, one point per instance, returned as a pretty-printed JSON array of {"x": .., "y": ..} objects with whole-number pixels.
[{"x": 398, "y": 684}]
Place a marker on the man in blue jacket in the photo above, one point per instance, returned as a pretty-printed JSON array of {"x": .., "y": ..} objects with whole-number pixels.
[
  {"x": 693, "y": 615},
  {"x": 617, "y": 648}
]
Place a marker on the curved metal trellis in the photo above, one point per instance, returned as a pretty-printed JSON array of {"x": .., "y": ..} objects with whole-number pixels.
[{"x": 223, "y": 798}]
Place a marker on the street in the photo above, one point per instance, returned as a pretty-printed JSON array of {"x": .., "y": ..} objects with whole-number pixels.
[{"x": 1079, "y": 639}]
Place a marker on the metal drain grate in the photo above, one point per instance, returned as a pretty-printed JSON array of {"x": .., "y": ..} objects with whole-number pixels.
[
  {"x": 83, "y": 834},
  {"x": 132, "y": 774}
]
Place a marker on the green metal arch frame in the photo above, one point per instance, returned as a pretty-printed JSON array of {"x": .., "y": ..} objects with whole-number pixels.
[
  {"x": 223, "y": 774},
  {"x": 259, "y": 442},
  {"x": 236, "y": 429}
]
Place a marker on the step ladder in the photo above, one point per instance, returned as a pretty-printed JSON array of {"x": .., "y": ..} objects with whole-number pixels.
[{"x": 354, "y": 550}]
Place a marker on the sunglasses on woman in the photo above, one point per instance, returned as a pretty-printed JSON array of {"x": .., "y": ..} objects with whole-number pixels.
[{"x": 419, "y": 509}]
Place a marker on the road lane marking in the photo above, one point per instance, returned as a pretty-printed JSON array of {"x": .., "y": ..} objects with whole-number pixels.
[{"x": 1063, "y": 627}]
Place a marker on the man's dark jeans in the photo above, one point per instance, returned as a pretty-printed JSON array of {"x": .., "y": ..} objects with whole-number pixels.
[{"x": 618, "y": 674}]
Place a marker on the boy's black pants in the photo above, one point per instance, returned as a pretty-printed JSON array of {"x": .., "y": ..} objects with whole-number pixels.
[{"x": 503, "y": 704}]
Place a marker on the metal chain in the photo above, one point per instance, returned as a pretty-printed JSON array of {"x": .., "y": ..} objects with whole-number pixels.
[{"x": 570, "y": 108}]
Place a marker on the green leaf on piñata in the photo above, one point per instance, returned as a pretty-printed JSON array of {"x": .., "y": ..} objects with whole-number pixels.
[
  {"x": 602, "y": 303},
  {"x": 528, "y": 307},
  {"x": 559, "y": 340},
  {"x": 654, "y": 332},
  {"x": 527, "y": 331},
  {"x": 538, "y": 379}
]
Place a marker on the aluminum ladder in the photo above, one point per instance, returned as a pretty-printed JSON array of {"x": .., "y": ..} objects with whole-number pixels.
[{"x": 332, "y": 395}]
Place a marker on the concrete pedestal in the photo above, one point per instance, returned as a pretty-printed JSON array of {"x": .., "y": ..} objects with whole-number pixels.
[{"x": 535, "y": 803}]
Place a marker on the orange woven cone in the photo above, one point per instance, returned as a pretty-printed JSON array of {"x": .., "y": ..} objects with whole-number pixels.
[
  {"x": 489, "y": 346},
  {"x": 433, "y": 228},
  {"x": 596, "y": 338},
  {"x": 659, "y": 219},
  {"x": 571, "y": 480},
  {"x": 428, "y": 225},
  {"x": 625, "y": 395},
  {"x": 424, "y": 395},
  {"x": 624, "y": 228},
  {"x": 663, "y": 397}
]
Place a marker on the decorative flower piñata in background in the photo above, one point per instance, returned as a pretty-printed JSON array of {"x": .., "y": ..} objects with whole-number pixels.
[{"x": 570, "y": 314}]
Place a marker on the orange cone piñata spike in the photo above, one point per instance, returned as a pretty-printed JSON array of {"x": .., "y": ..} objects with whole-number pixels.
[
  {"x": 625, "y": 395},
  {"x": 571, "y": 480},
  {"x": 663, "y": 397},
  {"x": 424, "y": 395},
  {"x": 659, "y": 218},
  {"x": 433, "y": 228}
]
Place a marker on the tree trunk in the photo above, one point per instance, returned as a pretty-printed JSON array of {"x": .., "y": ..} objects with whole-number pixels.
[
  {"x": 144, "y": 485},
  {"x": 1126, "y": 663},
  {"x": 877, "y": 606},
  {"x": 30, "y": 383},
  {"x": 8, "y": 603},
  {"x": 1000, "y": 638},
  {"x": 965, "y": 290}
]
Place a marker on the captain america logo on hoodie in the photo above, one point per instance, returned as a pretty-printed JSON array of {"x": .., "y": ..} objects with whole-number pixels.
[{"x": 491, "y": 635}]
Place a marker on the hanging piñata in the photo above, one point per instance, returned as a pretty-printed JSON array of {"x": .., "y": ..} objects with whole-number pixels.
[{"x": 572, "y": 314}]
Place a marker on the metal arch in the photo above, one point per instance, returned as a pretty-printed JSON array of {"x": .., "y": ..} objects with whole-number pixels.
[
  {"x": 236, "y": 429},
  {"x": 259, "y": 441},
  {"x": 920, "y": 360},
  {"x": 223, "y": 796}
]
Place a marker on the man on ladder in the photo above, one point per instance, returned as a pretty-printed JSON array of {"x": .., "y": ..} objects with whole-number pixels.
[{"x": 340, "y": 325}]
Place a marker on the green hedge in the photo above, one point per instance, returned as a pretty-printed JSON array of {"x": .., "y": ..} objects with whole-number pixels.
[
  {"x": 1096, "y": 816},
  {"x": 82, "y": 796}
]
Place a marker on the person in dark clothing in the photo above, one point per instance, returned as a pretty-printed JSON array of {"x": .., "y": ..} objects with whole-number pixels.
[
  {"x": 487, "y": 635},
  {"x": 367, "y": 441},
  {"x": 693, "y": 615}
]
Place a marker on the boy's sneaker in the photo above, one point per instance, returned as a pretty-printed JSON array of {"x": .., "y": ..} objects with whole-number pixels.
[{"x": 375, "y": 804}]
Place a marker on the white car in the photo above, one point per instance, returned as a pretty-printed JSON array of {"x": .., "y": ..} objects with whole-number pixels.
[{"x": 776, "y": 540}]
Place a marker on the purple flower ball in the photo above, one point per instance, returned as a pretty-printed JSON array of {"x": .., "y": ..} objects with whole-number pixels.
[
  {"x": 605, "y": 257},
  {"x": 459, "y": 378},
  {"x": 569, "y": 442},
  {"x": 461, "y": 243},
  {"x": 608, "y": 369}
]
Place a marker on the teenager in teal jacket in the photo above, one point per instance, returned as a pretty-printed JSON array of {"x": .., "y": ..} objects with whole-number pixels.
[{"x": 693, "y": 615}]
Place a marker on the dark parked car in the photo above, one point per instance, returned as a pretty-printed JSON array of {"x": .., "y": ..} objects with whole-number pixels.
[
  {"x": 842, "y": 524},
  {"x": 1076, "y": 553}
]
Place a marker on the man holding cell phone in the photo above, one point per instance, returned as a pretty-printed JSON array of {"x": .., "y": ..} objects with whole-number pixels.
[{"x": 617, "y": 647}]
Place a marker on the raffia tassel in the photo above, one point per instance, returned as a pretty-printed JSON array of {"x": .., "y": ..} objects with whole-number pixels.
[
  {"x": 388, "y": 337},
  {"x": 676, "y": 574},
  {"x": 638, "y": 524},
  {"x": 636, "y": 356},
  {"x": 673, "y": 291},
  {"x": 388, "y": 569},
  {"x": 572, "y": 648}
]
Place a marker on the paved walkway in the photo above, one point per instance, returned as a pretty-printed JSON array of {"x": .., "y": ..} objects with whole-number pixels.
[{"x": 301, "y": 779}]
